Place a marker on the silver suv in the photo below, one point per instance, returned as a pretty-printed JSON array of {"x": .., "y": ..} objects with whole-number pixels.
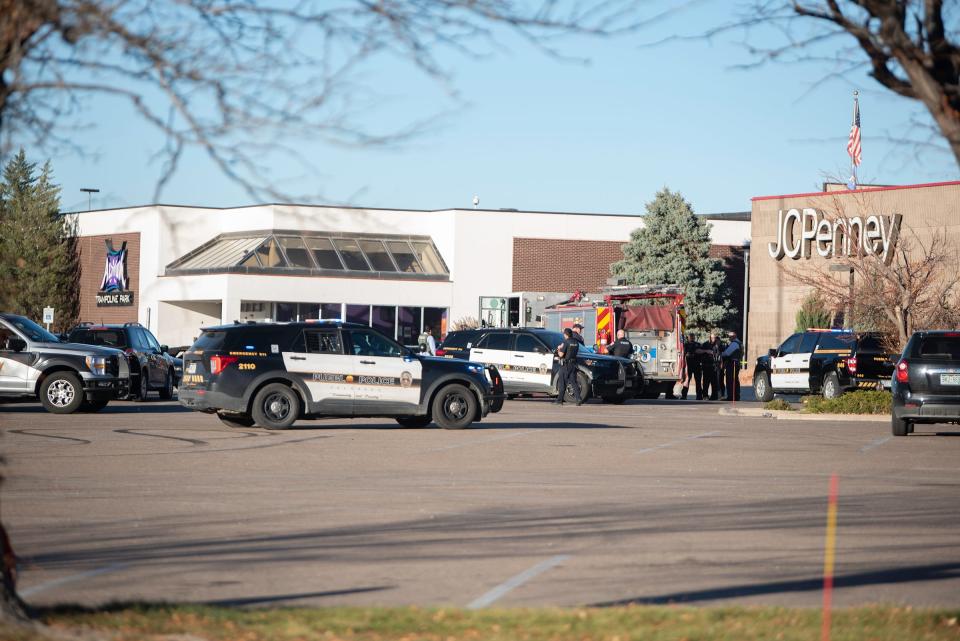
[{"x": 66, "y": 377}]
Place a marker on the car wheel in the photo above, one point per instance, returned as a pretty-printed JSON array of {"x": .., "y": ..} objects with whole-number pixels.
[
  {"x": 166, "y": 392},
  {"x": 93, "y": 406},
  {"x": 414, "y": 421},
  {"x": 901, "y": 427},
  {"x": 235, "y": 420},
  {"x": 761, "y": 387},
  {"x": 496, "y": 405},
  {"x": 831, "y": 386},
  {"x": 276, "y": 407},
  {"x": 144, "y": 392},
  {"x": 454, "y": 407},
  {"x": 584, "y": 384},
  {"x": 61, "y": 393}
]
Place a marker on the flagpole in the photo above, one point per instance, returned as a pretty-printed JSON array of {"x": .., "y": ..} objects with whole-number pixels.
[{"x": 853, "y": 162}]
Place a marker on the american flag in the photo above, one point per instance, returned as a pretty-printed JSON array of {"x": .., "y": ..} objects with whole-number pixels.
[{"x": 853, "y": 145}]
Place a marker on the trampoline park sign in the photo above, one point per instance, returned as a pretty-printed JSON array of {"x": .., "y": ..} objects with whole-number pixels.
[{"x": 800, "y": 233}]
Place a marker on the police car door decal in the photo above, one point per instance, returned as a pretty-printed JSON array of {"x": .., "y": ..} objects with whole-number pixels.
[
  {"x": 532, "y": 362},
  {"x": 495, "y": 349},
  {"x": 323, "y": 367},
  {"x": 384, "y": 373}
]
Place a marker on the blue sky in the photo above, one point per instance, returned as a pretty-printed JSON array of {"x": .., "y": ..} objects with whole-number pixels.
[{"x": 533, "y": 132}]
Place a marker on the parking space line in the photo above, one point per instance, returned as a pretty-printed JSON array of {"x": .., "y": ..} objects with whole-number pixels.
[
  {"x": 678, "y": 441},
  {"x": 877, "y": 443},
  {"x": 71, "y": 579},
  {"x": 516, "y": 581},
  {"x": 482, "y": 441}
]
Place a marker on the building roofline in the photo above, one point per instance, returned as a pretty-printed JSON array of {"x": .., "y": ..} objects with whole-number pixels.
[
  {"x": 858, "y": 191},
  {"x": 721, "y": 216}
]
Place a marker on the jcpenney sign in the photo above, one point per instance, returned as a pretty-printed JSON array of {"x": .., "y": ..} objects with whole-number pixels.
[{"x": 801, "y": 232}]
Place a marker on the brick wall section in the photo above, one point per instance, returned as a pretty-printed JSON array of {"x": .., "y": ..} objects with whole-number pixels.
[
  {"x": 546, "y": 265},
  {"x": 93, "y": 254}
]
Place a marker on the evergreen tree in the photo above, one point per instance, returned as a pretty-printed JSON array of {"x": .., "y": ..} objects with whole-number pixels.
[
  {"x": 39, "y": 264},
  {"x": 673, "y": 247},
  {"x": 812, "y": 313}
]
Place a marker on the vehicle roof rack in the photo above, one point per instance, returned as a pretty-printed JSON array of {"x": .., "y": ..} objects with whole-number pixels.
[{"x": 132, "y": 325}]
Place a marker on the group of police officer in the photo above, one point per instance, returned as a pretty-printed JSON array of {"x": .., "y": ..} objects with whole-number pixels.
[{"x": 712, "y": 367}]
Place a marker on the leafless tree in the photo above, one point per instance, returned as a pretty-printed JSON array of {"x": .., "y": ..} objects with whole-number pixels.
[
  {"x": 242, "y": 79},
  {"x": 909, "y": 46},
  {"x": 917, "y": 288}
]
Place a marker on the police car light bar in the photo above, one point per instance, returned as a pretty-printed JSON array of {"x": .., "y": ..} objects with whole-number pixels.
[{"x": 830, "y": 330}]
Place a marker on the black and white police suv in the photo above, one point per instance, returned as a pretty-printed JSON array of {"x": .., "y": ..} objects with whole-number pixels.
[
  {"x": 526, "y": 359},
  {"x": 824, "y": 361},
  {"x": 271, "y": 374},
  {"x": 66, "y": 377}
]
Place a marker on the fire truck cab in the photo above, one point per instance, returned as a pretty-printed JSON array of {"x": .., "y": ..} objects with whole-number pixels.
[{"x": 652, "y": 317}]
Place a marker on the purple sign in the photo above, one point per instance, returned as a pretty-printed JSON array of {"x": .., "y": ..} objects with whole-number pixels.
[{"x": 115, "y": 269}]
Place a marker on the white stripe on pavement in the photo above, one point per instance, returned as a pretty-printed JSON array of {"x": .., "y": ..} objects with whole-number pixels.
[
  {"x": 72, "y": 578},
  {"x": 682, "y": 440},
  {"x": 482, "y": 441},
  {"x": 876, "y": 443},
  {"x": 516, "y": 581}
]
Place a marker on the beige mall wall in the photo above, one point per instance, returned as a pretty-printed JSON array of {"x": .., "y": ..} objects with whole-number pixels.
[{"x": 774, "y": 294}]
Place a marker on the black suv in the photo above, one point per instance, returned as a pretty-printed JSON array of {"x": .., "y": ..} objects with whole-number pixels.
[
  {"x": 926, "y": 381},
  {"x": 65, "y": 377},
  {"x": 151, "y": 367},
  {"x": 825, "y": 361},
  {"x": 526, "y": 360},
  {"x": 271, "y": 374}
]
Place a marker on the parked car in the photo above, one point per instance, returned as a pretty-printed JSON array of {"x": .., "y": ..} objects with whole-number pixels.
[
  {"x": 272, "y": 374},
  {"x": 926, "y": 382},
  {"x": 151, "y": 367},
  {"x": 65, "y": 377},
  {"x": 525, "y": 359},
  {"x": 824, "y": 361}
]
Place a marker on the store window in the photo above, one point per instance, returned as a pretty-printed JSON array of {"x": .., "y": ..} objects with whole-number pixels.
[
  {"x": 409, "y": 321},
  {"x": 331, "y": 311},
  {"x": 436, "y": 318},
  {"x": 384, "y": 319},
  {"x": 308, "y": 311},
  {"x": 285, "y": 312},
  {"x": 352, "y": 256},
  {"x": 324, "y": 253},
  {"x": 358, "y": 314},
  {"x": 429, "y": 258},
  {"x": 378, "y": 256},
  {"x": 296, "y": 251},
  {"x": 404, "y": 257}
]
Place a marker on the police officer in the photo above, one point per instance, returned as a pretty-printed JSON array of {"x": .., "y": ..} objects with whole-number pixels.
[
  {"x": 578, "y": 333},
  {"x": 731, "y": 361},
  {"x": 621, "y": 347},
  {"x": 710, "y": 362},
  {"x": 567, "y": 353},
  {"x": 694, "y": 374}
]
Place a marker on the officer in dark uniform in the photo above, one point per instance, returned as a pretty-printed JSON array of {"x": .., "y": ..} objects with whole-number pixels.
[
  {"x": 621, "y": 347},
  {"x": 710, "y": 362},
  {"x": 567, "y": 353},
  {"x": 578, "y": 333},
  {"x": 731, "y": 363},
  {"x": 692, "y": 359}
]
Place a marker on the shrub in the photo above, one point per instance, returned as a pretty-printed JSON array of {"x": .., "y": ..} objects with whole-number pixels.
[
  {"x": 778, "y": 404},
  {"x": 858, "y": 402}
]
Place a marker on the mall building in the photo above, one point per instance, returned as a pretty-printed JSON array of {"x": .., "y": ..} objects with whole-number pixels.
[
  {"x": 176, "y": 269},
  {"x": 821, "y": 231}
]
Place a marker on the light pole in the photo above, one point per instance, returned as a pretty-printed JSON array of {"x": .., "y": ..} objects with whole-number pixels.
[
  {"x": 90, "y": 192},
  {"x": 848, "y": 311}
]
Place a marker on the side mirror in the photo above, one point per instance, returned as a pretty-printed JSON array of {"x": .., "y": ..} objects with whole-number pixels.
[
  {"x": 164, "y": 349},
  {"x": 17, "y": 344},
  {"x": 772, "y": 352}
]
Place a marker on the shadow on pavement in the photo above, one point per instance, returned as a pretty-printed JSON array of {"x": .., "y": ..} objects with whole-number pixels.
[{"x": 909, "y": 574}]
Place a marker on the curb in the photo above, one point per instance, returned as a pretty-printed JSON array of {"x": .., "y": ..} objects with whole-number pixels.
[{"x": 759, "y": 412}]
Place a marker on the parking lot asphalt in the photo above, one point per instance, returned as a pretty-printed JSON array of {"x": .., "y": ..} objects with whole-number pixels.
[{"x": 648, "y": 502}]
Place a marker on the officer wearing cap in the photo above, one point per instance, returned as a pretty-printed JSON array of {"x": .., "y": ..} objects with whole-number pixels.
[
  {"x": 567, "y": 353},
  {"x": 578, "y": 333}
]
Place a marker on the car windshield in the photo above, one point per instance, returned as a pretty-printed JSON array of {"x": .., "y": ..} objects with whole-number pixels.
[{"x": 33, "y": 331}]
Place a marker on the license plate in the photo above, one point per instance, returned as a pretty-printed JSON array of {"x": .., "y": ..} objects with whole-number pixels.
[
  {"x": 950, "y": 379},
  {"x": 192, "y": 368}
]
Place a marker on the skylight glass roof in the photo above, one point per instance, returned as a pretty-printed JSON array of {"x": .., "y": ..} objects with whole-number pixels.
[{"x": 315, "y": 253}]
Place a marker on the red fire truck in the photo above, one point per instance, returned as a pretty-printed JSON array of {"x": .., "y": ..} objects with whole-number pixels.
[{"x": 652, "y": 317}]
